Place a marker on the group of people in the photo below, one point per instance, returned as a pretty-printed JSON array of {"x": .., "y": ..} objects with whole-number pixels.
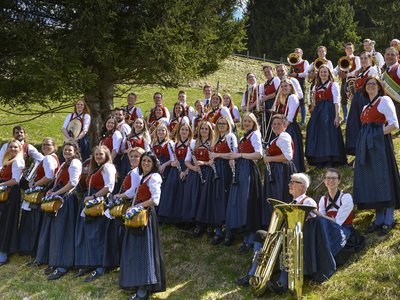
[{"x": 195, "y": 167}]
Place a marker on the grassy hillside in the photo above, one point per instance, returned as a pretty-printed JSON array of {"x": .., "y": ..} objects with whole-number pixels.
[{"x": 195, "y": 269}]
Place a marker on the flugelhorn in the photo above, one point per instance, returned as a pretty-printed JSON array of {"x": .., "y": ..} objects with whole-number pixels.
[
  {"x": 345, "y": 63},
  {"x": 293, "y": 59},
  {"x": 319, "y": 62}
]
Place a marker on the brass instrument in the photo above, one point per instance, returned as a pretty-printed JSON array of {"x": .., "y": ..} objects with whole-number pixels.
[
  {"x": 319, "y": 62},
  {"x": 290, "y": 237},
  {"x": 268, "y": 255},
  {"x": 390, "y": 91},
  {"x": 29, "y": 176},
  {"x": 350, "y": 87},
  {"x": 293, "y": 59},
  {"x": 345, "y": 63}
]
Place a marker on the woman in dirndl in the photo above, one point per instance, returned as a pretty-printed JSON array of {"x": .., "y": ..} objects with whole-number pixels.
[
  {"x": 244, "y": 209},
  {"x": 353, "y": 125},
  {"x": 324, "y": 140},
  {"x": 198, "y": 117},
  {"x": 111, "y": 137},
  {"x": 76, "y": 127},
  {"x": 234, "y": 111},
  {"x": 178, "y": 117},
  {"x": 62, "y": 232},
  {"x": 376, "y": 175},
  {"x": 34, "y": 227},
  {"x": 13, "y": 165},
  {"x": 172, "y": 196},
  {"x": 139, "y": 137},
  {"x": 142, "y": 258},
  {"x": 158, "y": 120},
  {"x": 198, "y": 186},
  {"x": 279, "y": 166},
  {"x": 161, "y": 145},
  {"x": 217, "y": 110},
  {"x": 93, "y": 252},
  {"x": 223, "y": 145},
  {"x": 287, "y": 103}
]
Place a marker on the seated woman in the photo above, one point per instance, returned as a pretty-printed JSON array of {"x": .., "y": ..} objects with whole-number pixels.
[
  {"x": 142, "y": 258},
  {"x": 338, "y": 207}
]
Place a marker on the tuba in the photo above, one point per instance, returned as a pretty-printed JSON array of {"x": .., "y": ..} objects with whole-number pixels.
[
  {"x": 293, "y": 59},
  {"x": 268, "y": 255},
  {"x": 319, "y": 62},
  {"x": 289, "y": 237},
  {"x": 345, "y": 63}
]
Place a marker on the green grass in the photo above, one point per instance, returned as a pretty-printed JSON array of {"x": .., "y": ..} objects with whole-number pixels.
[{"x": 195, "y": 269}]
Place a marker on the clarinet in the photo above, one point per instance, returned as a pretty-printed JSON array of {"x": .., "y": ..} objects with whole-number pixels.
[
  {"x": 179, "y": 164},
  {"x": 196, "y": 163},
  {"x": 216, "y": 177},
  {"x": 267, "y": 166},
  {"x": 233, "y": 166}
]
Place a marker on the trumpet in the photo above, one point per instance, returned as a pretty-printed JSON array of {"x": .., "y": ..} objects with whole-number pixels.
[
  {"x": 345, "y": 63},
  {"x": 293, "y": 59}
]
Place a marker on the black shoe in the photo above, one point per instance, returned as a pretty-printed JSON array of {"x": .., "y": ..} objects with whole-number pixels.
[
  {"x": 262, "y": 234},
  {"x": 275, "y": 286},
  {"x": 49, "y": 270},
  {"x": 4, "y": 262},
  {"x": 217, "y": 240},
  {"x": 92, "y": 276},
  {"x": 197, "y": 232},
  {"x": 243, "y": 281},
  {"x": 136, "y": 297},
  {"x": 82, "y": 272},
  {"x": 56, "y": 275},
  {"x": 373, "y": 227},
  {"x": 244, "y": 248},
  {"x": 228, "y": 241},
  {"x": 385, "y": 229}
]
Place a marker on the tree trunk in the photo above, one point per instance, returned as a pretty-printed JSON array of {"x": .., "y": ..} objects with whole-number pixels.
[{"x": 101, "y": 104}]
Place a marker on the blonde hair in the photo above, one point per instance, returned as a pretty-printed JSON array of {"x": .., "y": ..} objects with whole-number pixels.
[
  {"x": 280, "y": 98},
  {"x": 154, "y": 135},
  {"x": 217, "y": 134},
  {"x": 6, "y": 158},
  {"x": 93, "y": 163},
  {"x": 253, "y": 118},
  {"x": 210, "y": 133}
]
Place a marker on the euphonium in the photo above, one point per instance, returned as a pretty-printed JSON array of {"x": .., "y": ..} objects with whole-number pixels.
[
  {"x": 293, "y": 58},
  {"x": 345, "y": 63},
  {"x": 292, "y": 248},
  {"x": 268, "y": 255},
  {"x": 319, "y": 62}
]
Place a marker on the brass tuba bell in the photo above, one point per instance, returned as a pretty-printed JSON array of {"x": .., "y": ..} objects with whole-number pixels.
[
  {"x": 293, "y": 59},
  {"x": 319, "y": 62},
  {"x": 345, "y": 63}
]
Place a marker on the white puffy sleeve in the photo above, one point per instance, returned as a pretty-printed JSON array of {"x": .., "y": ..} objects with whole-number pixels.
[
  {"x": 135, "y": 181},
  {"x": 66, "y": 121},
  {"x": 255, "y": 140},
  {"x": 50, "y": 165},
  {"x": 292, "y": 106},
  {"x": 225, "y": 112},
  {"x": 387, "y": 108},
  {"x": 345, "y": 209},
  {"x": 321, "y": 206},
  {"x": 75, "y": 171},
  {"x": 189, "y": 152},
  {"x": 108, "y": 172},
  {"x": 335, "y": 92},
  {"x": 154, "y": 184},
  {"x": 284, "y": 142},
  {"x": 117, "y": 140},
  {"x": 17, "y": 168},
  {"x": 86, "y": 123}
]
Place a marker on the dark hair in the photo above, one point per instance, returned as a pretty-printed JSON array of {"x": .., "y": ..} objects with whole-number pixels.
[
  {"x": 120, "y": 108},
  {"x": 76, "y": 149},
  {"x": 19, "y": 128},
  {"x": 333, "y": 170},
  {"x": 381, "y": 91},
  {"x": 206, "y": 86},
  {"x": 183, "y": 110},
  {"x": 157, "y": 93},
  {"x": 132, "y": 94},
  {"x": 104, "y": 130},
  {"x": 318, "y": 81},
  {"x": 153, "y": 157}
]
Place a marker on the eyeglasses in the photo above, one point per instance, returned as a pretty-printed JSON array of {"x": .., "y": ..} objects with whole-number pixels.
[
  {"x": 294, "y": 181},
  {"x": 331, "y": 178}
]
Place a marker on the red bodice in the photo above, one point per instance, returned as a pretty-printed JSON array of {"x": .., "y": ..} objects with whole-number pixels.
[
  {"x": 161, "y": 150},
  {"x": 332, "y": 213},
  {"x": 371, "y": 114},
  {"x": 6, "y": 173},
  {"x": 97, "y": 180},
  {"x": 108, "y": 142},
  {"x": 126, "y": 185},
  {"x": 181, "y": 152},
  {"x": 245, "y": 146},
  {"x": 393, "y": 74},
  {"x": 201, "y": 154},
  {"x": 222, "y": 147},
  {"x": 134, "y": 142},
  {"x": 269, "y": 88},
  {"x": 274, "y": 150},
  {"x": 324, "y": 94},
  {"x": 213, "y": 116},
  {"x": 143, "y": 192},
  {"x": 40, "y": 169}
]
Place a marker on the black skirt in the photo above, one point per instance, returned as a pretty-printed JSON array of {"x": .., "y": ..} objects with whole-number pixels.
[{"x": 9, "y": 215}]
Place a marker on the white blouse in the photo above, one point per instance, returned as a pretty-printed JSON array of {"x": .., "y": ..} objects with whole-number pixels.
[
  {"x": 75, "y": 171},
  {"x": 345, "y": 203},
  {"x": 135, "y": 181},
  {"x": 387, "y": 108},
  {"x": 108, "y": 172},
  {"x": 154, "y": 184},
  {"x": 292, "y": 106},
  {"x": 50, "y": 164},
  {"x": 284, "y": 142},
  {"x": 17, "y": 168}
]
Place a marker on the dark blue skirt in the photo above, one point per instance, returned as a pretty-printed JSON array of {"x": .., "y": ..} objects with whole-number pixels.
[
  {"x": 62, "y": 236},
  {"x": 376, "y": 176},
  {"x": 353, "y": 126},
  {"x": 213, "y": 202},
  {"x": 276, "y": 187},
  {"x": 244, "y": 209},
  {"x": 298, "y": 153},
  {"x": 194, "y": 190},
  {"x": 142, "y": 258},
  {"x": 29, "y": 229},
  {"x": 323, "y": 239},
  {"x": 172, "y": 197},
  {"x": 84, "y": 146},
  {"x": 9, "y": 216},
  {"x": 43, "y": 249},
  {"x": 324, "y": 142},
  {"x": 81, "y": 250}
]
